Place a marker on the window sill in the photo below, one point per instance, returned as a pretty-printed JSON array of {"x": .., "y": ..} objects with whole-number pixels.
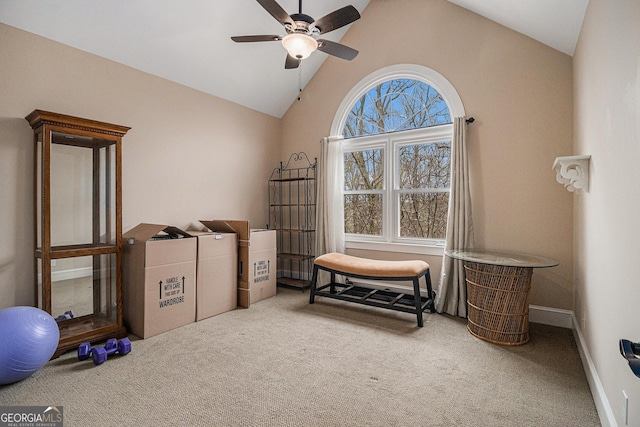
[{"x": 396, "y": 247}]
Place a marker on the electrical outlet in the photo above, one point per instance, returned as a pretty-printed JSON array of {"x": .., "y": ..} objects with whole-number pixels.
[
  {"x": 625, "y": 408},
  {"x": 53, "y": 263}
]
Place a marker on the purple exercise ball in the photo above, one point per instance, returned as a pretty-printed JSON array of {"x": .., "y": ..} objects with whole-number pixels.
[{"x": 28, "y": 338}]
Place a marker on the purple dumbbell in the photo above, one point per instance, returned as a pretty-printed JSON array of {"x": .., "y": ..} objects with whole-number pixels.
[
  {"x": 112, "y": 346},
  {"x": 100, "y": 354}
]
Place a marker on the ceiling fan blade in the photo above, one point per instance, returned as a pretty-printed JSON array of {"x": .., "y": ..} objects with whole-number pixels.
[
  {"x": 249, "y": 39},
  {"x": 337, "y": 49},
  {"x": 276, "y": 11},
  {"x": 291, "y": 62},
  {"x": 337, "y": 19}
]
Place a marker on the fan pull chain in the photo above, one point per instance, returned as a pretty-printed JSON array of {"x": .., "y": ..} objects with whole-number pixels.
[{"x": 300, "y": 81}]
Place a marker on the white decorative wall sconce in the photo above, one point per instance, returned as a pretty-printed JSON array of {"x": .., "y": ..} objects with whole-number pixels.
[{"x": 573, "y": 172}]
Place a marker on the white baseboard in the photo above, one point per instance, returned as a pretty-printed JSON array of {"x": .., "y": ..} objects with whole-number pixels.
[
  {"x": 74, "y": 273},
  {"x": 607, "y": 419},
  {"x": 551, "y": 316}
]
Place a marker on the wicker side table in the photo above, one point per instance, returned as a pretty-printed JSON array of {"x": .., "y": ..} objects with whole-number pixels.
[{"x": 498, "y": 287}]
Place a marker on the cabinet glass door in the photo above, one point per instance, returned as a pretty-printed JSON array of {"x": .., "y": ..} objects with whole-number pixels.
[{"x": 82, "y": 191}]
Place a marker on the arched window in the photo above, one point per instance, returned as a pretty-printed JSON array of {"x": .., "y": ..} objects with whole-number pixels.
[
  {"x": 397, "y": 125},
  {"x": 396, "y": 105}
]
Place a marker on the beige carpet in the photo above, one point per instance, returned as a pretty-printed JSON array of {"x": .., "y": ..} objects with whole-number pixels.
[{"x": 284, "y": 362}]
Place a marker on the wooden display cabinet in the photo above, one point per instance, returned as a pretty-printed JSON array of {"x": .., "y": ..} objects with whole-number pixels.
[{"x": 78, "y": 226}]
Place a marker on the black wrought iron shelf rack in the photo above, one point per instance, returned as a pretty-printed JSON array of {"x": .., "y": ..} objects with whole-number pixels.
[{"x": 292, "y": 213}]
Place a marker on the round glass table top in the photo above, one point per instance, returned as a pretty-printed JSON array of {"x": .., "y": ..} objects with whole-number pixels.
[{"x": 509, "y": 259}]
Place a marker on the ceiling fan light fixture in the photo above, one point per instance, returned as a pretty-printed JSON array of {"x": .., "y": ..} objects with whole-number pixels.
[{"x": 299, "y": 45}]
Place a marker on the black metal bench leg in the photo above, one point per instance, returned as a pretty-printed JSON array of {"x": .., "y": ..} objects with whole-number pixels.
[
  {"x": 418, "y": 300},
  {"x": 332, "y": 289},
  {"x": 431, "y": 295},
  {"x": 314, "y": 280}
]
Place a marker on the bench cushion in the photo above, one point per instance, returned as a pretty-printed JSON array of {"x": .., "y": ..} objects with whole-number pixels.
[{"x": 371, "y": 267}]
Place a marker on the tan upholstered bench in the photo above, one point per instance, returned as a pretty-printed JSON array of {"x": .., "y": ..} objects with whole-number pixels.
[{"x": 363, "y": 268}]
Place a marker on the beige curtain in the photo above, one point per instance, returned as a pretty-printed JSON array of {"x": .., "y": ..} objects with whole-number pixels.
[
  {"x": 329, "y": 203},
  {"x": 451, "y": 297}
]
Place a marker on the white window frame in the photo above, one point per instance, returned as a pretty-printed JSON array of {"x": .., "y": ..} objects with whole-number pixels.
[
  {"x": 371, "y": 143},
  {"x": 431, "y": 135},
  {"x": 391, "y": 144},
  {"x": 386, "y": 242}
]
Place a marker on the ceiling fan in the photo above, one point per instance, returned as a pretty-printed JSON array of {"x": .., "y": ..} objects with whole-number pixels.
[{"x": 302, "y": 32}]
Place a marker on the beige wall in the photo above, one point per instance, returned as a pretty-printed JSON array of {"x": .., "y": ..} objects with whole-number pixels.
[
  {"x": 188, "y": 156},
  {"x": 607, "y": 230},
  {"x": 184, "y": 144},
  {"x": 520, "y": 93}
]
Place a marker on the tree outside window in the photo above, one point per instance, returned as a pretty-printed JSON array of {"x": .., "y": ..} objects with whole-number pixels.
[{"x": 397, "y": 163}]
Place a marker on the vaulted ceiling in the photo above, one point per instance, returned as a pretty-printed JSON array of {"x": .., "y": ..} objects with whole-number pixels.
[{"x": 189, "y": 42}]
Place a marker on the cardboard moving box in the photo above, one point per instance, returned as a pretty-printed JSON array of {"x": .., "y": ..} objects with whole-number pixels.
[
  {"x": 216, "y": 278},
  {"x": 256, "y": 259},
  {"x": 159, "y": 273}
]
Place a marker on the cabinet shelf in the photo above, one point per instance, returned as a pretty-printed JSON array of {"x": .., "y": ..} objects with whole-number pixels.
[
  {"x": 96, "y": 327},
  {"x": 292, "y": 210},
  {"x": 69, "y": 251}
]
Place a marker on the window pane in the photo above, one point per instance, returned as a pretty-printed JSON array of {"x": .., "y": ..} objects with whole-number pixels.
[
  {"x": 363, "y": 214},
  {"x": 425, "y": 165},
  {"x": 424, "y": 215},
  {"x": 396, "y": 105},
  {"x": 363, "y": 170}
]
